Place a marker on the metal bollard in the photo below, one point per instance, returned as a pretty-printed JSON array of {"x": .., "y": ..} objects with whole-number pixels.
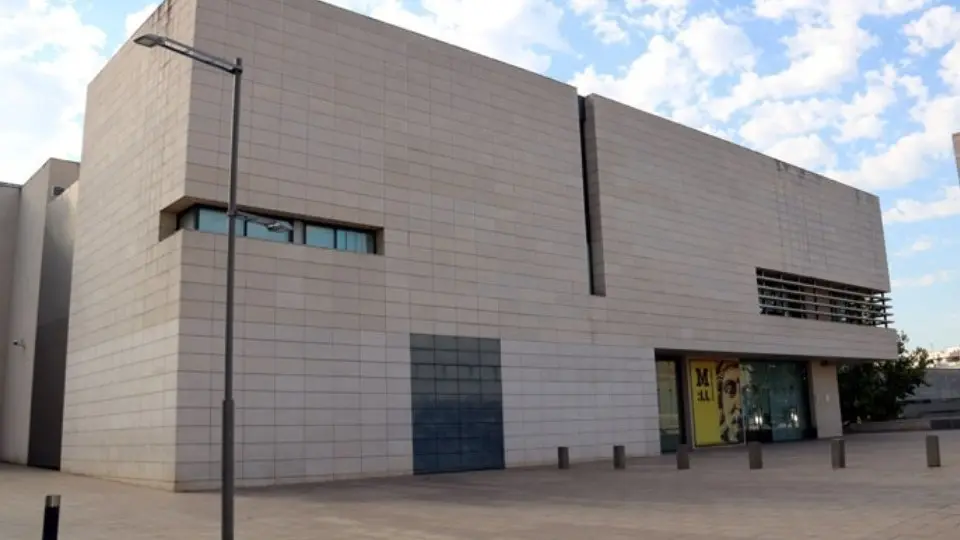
[
  {"x": 933, "y": 451},
  {"x": 683, "y": 457},
  {"x": 563, "y": 457},
  {"x": 51, "y": 517},
  {"x": 838, "y": 454},
  {"x": 619, "y": 457},
  {"x": 755, "y": 455}
]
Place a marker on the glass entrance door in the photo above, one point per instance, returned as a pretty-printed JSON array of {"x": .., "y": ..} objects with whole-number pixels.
[
  {"x": 668, "y": 397},
  {"x": 776, "y": 407},
  {"x": 788, "y": 402}
]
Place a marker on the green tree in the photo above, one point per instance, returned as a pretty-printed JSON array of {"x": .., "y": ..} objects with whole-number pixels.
[{"x": 874, "y": 391}]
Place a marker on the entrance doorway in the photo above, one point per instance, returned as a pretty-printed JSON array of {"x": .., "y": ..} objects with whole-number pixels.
[
  {"x": 669, "y": 400},
  {"x": 775, "y": 401}
]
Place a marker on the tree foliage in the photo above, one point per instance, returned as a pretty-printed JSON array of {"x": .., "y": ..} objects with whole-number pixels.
[{"x": 874, "y": 391}]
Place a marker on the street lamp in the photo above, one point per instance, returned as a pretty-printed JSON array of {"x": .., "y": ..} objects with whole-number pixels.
[{"x": 227, "y": 443}]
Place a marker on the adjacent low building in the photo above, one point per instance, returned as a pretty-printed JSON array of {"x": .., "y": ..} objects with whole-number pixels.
[
  {"x": 478, "y": 265},
  {"x": 36, "y": 250}
]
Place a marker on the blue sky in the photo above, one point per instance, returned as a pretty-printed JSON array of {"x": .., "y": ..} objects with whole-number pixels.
[{"x": 865, "y": 91}]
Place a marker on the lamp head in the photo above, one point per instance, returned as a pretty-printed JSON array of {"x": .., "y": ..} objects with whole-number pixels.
[{"x": 149, "y": 40}]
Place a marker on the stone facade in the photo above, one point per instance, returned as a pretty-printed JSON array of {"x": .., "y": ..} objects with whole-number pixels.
[{"x": 470, "y": 170}]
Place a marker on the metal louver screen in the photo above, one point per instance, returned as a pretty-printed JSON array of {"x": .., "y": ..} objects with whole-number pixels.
[{"x": 789, "y": 295}]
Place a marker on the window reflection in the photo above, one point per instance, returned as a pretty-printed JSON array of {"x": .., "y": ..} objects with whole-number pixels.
[
  {"x": 256, "y": 230},
  {"x": 356, "y": 241},
  {"x": 211, "y": 220},
  {"x": 320, "y": 236},
  {"x": 214, "y": 220}
]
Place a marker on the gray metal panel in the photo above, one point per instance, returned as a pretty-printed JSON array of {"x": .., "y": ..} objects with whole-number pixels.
[{"x": 457, "y": 402}]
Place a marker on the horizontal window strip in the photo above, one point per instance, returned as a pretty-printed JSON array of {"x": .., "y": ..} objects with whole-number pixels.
[
  {"x": 280, "y": 229},
  {"x": 782, "y": 294}
]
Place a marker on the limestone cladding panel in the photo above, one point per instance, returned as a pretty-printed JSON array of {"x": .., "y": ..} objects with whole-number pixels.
[
  {"x": 585, "y": 397},
  {"x": 121, "y": 376},
  {"x": 323, "y": 389},
  {"x": 687, "y": 218}
]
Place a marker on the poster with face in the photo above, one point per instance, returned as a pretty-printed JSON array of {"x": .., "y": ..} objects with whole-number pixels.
[{"x": 717, "y": 404}]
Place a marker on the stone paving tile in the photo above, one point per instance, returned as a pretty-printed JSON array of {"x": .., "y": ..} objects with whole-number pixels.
[{"x": 886, "y": 493}]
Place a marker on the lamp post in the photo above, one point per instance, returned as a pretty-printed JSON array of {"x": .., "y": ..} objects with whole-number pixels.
[{"x": 227, "y": 443}]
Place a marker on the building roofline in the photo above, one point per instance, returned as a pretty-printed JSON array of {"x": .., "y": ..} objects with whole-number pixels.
[{"x": 779, "y": 162}]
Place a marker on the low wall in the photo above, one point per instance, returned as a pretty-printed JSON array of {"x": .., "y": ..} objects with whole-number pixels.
[{"x": 911, "y": 424}]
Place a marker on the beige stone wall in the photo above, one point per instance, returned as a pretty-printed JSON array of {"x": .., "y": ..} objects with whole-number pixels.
[
  {"x": 586, "y": 397},
  {"x": 687, "y": 218},
  {"x": 121, "y": 380},
  {"x": 472, "y": 169}
]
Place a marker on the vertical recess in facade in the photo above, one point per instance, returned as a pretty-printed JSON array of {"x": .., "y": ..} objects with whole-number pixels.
[{"x": 591, "y": 198}]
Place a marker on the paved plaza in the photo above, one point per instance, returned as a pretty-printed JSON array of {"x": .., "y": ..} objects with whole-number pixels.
[{"x": 885, "y": 493}]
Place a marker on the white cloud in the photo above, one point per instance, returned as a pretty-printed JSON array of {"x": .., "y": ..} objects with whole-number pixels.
[
  {"x": 925, "y": 280},
  {"x": 914, "y": 87},
  {"x": 908, "y": 158},
  {"x": 912, "y": 210},
  {"x": 717, "y": 47},
  {"x": 782, "y": 127},
  {"x": 821, "y": 59},
  {"x": 587, "y": 6},
  {"x": 662, "y": 75},
  {"x": 47, "y": 57},
  {"x": 603, "y": 22},
  {"x": 658, "y": 15},
  {"x": 950, "y": 67},
  {"x": 806, "y": 9},
  {"x": 608, "y": 29},
  {"x": 133, "y": 21},
  {"x": 524, "y": 33},
  {"x": 520, "y": 32},
  {"x": 807, "y": 151},
  {"x": 771, "y": 121},
  {"x": 937, "y": 27},
  {"x": 924, "y": 243},
  {"x": 861, "y": 117},
  {"x": 824, "y": 53},
  {"x": 672, "y": 75}
]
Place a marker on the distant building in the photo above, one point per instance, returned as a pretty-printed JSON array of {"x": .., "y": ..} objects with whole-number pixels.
[
  {"x": 947, "y": 358},
  {"x": 940, "y": 398}
]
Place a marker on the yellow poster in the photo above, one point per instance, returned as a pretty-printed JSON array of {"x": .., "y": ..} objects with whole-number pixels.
[{"x": 715, "y": 393}]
